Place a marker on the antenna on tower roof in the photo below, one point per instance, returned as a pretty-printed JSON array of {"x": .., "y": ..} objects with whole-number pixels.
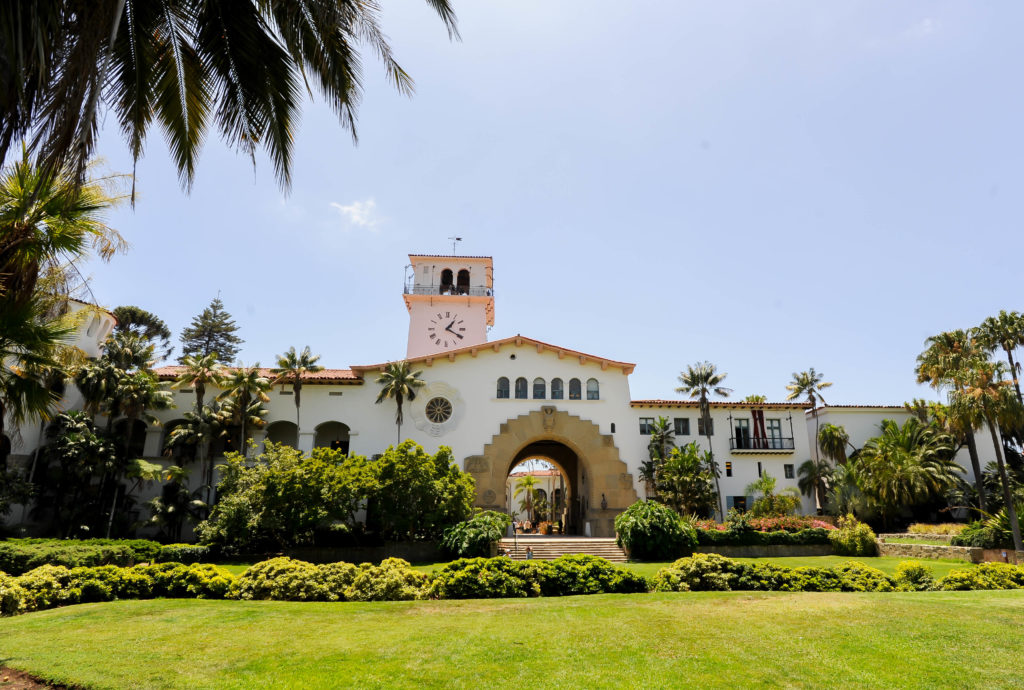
[{"x": 454, "y": 241}]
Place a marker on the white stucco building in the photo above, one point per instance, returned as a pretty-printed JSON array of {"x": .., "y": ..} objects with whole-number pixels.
[{"x": 498, "y": 403}]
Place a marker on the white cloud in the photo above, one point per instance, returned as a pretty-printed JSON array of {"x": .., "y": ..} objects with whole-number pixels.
[
  {"x": 924, "y": 28},
  {"x": 361, "y": 214}
]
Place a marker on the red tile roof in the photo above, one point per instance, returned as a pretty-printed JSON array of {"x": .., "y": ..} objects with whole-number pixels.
[
  {"x": 169, "y": 373},
  {"x": 722, "y": 405},
  {"x": 448, "y": 256},
  {"x": 518, "y": 341}
]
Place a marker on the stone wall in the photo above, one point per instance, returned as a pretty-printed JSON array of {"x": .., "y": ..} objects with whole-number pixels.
[
  {"x": 961, "y": 553},
  {"x": 769, "y": 551}
]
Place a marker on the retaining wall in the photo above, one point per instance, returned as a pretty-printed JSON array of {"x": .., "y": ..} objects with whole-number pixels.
[{"x": 960, "y": 553}]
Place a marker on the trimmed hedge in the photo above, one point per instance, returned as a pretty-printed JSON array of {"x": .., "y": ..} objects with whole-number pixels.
[
  {"x": 650, "y": 531},
  {"x": 474, "y": 578},
  {"x": 713, "y": 537},
  {"x": 19, "y": 556}
]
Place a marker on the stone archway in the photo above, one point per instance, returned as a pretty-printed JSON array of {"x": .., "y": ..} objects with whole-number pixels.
[{"x": 603, "y": 473}]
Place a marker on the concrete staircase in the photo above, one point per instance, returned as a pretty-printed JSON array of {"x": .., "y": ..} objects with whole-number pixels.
[{"x": 549, "y": 548}]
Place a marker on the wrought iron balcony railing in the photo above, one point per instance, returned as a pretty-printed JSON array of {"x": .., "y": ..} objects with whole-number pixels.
[
  {"x": 471, "y": 291},
  {"x": 770, "y": 443}
]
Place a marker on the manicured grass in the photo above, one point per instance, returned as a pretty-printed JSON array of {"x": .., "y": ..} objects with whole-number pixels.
[{"x": 932, "y": 639}]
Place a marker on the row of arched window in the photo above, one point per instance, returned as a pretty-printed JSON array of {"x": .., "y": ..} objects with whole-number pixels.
[{"x": 540, "y": 389}]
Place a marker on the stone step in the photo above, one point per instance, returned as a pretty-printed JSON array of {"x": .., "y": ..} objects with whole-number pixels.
[{"x": 546, "y": 549}]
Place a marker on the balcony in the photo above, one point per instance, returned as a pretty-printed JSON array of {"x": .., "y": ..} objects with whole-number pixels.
[
  {"x": 780, "y": 445},
  {"x": 456, "y": 290}
]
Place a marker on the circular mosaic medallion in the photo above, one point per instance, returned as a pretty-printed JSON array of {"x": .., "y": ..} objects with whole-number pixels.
[{"x": 439, "y": 410}]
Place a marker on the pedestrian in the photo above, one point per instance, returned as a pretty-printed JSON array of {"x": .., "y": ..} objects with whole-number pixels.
[{"x": 529, "y": 553}]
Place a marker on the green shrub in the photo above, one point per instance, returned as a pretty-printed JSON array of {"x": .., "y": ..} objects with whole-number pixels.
[
  {"x": 392, "y": 580},
  {"x": 857, "y": 577},
  {"x": 184, "y": 553},
  {"x": 13, "y": 597},
  {"x": 730, "y": 537},
  {"x": 472, "y": 538},
  {"x": 977, "y": 534},
  {"x": 699, "y": 572},
  {"x": 941, "y": 528},
  {"x": 768, "y": 577},
  {"x": 48, "y": 586},
  {"x": 487, "y": 578},
  {"x": 913, "y": 576},
  {"x": 200, "y": 581},
  {"x": 853, "y": 538},
  {"x": 650, "y": 531},
  {"x": 286, "y": 579},
  {"x": 984, "y": 576},
  {"x": 19, "y": 556},
  {"x": 583, "y": 574}
]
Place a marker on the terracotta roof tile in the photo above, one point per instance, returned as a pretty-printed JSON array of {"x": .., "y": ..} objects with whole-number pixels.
[
  {"x": 722, "y": 405},
  {"x": 169, "y": 373}
]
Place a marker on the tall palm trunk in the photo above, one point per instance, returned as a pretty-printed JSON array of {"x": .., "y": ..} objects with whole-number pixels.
[
  {"x": 705, "y": 413},
  {"x": 1011, "y": 510},
  {"x": 816, "y": 431},
  {"x": 1013, "y": 375},
  {"x": 979, "y": 483}
]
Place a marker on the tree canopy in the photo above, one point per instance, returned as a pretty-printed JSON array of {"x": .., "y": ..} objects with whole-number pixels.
[{"x": 212, "y": 331}]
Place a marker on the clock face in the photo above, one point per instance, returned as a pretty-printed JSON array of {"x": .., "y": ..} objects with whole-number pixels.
[{"x": 446, "y": 329}]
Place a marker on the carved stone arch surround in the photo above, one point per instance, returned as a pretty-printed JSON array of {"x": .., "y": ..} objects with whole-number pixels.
[{"x": 606, "y": 473}]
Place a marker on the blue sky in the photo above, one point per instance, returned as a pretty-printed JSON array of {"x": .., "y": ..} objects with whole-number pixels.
[{"x": 766, "y": 185}]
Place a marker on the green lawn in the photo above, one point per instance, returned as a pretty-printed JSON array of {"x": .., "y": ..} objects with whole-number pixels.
[{"x": 933, "y": 639}]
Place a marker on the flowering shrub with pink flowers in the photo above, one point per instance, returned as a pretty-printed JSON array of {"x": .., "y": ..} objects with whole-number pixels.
[{"x": 789, "y": 523}]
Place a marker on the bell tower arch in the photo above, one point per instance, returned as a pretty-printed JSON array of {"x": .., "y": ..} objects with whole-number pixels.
[{"x": 450, "y": 301}]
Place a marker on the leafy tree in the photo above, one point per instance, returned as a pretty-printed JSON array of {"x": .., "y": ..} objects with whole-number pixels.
[
  {"x": 398, "y": 382},
  {"x": 685, "y": 481},
  {"x": 755, "y": 398},
  {"x": 175, "y": 505},
  {"x": 986, "y": 394},
  {"x": 650, "y": 531},
  {"x": 292, "y": 366},
  {"x": 416, "y": 495},
  {"x": 700, "y": 381},
  {"x": 472, "y": 538},
  {"x": 526, "y": 486},
  {"x": 283, "y": 497},
  {"x": 148, "y": 326},
  {"x": 213, "y": 331},
  {"x": 247, "y": 389},
  {"x": 769, "y": 501},
  {"x": 907, "y": 465},
  {"x": 48, "y": 221},
  {"x": 943, "y": 365},
  {"x": 1004, "y": 331},
  {"x": 185, "y": 65},
  {"x": 809, "y": 383}
]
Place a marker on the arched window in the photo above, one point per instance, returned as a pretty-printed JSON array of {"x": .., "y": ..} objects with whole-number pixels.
[
  {"x": 503, "y": 387},
  {"x": 446, "y": 281},
  {"x": 539, "y": 389},
  {"x": 593, "y": 390},
  {"x": 463, "y": 284},
  {"x": 557, "y": 393},
  {"x": 521, "y": 388},
  {"x": 574, "y": 389}
]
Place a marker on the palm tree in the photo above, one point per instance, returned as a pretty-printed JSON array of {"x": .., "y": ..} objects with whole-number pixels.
[
  {"x": 292, "y": 366},
  {"x": 197, "y": 373},
  {"x": 699, "y": 381},
  {"x": 1005, "y": 331},
  {"x": 755, "y": 398},
  {"x": 907, "y": 465},
  {"x": 809, "y": 383},
  {"x": 815, "y": 479},
  {"x": 986, "y": 394},
  {"x": 29, "y": 344},
  {"x": 663, "y": 439},
  {"x": 526, "y": 484},
  {"x": 186, "y": 66},
  {"x": 245, "y": 386},
  {"x": 943, "y": 364},
  {"x": 399, "y": 383},
  {"x": 833, "y": 439},
  {"x": 49, "y": 222}
]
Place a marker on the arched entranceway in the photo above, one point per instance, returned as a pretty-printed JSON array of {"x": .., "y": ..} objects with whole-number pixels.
[
  {"x": 556, "y": 473},
  {"x": 603, "y": 483}
]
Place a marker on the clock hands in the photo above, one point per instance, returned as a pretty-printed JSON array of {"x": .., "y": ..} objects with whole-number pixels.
[{"x": 449, "y": 329}]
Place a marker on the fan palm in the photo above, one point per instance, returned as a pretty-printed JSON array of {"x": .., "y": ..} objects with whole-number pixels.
[
  {"x": 526, "y": 484},
  {"x": 48, "y": 222},
  {"x": 1004, "y": 331},
  {"x": 809, "y": 383},
  {"x": 197, "y": 373},
  {"x": 246, "y": 387},
  {"x": 815, "y": 477},
  {"x": 986, "y": 394},
  {"x": 701, "y": 380},
  {"x": 833, "y": 439},
  {"x": 907, "y": 465},
  {"x": 943, "y": 364},
  {"x": 663, "y": 439},
  {"x": 185, "y": 65},
  {"x": 292, "y": 366},
  {"x": 399, "y": 383}
]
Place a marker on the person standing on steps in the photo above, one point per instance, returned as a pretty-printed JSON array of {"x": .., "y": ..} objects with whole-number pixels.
[{"x": 529, "y": 553}]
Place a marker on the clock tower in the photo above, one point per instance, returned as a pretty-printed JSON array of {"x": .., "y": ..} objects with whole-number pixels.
[{"x": 450, "y": 301}]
